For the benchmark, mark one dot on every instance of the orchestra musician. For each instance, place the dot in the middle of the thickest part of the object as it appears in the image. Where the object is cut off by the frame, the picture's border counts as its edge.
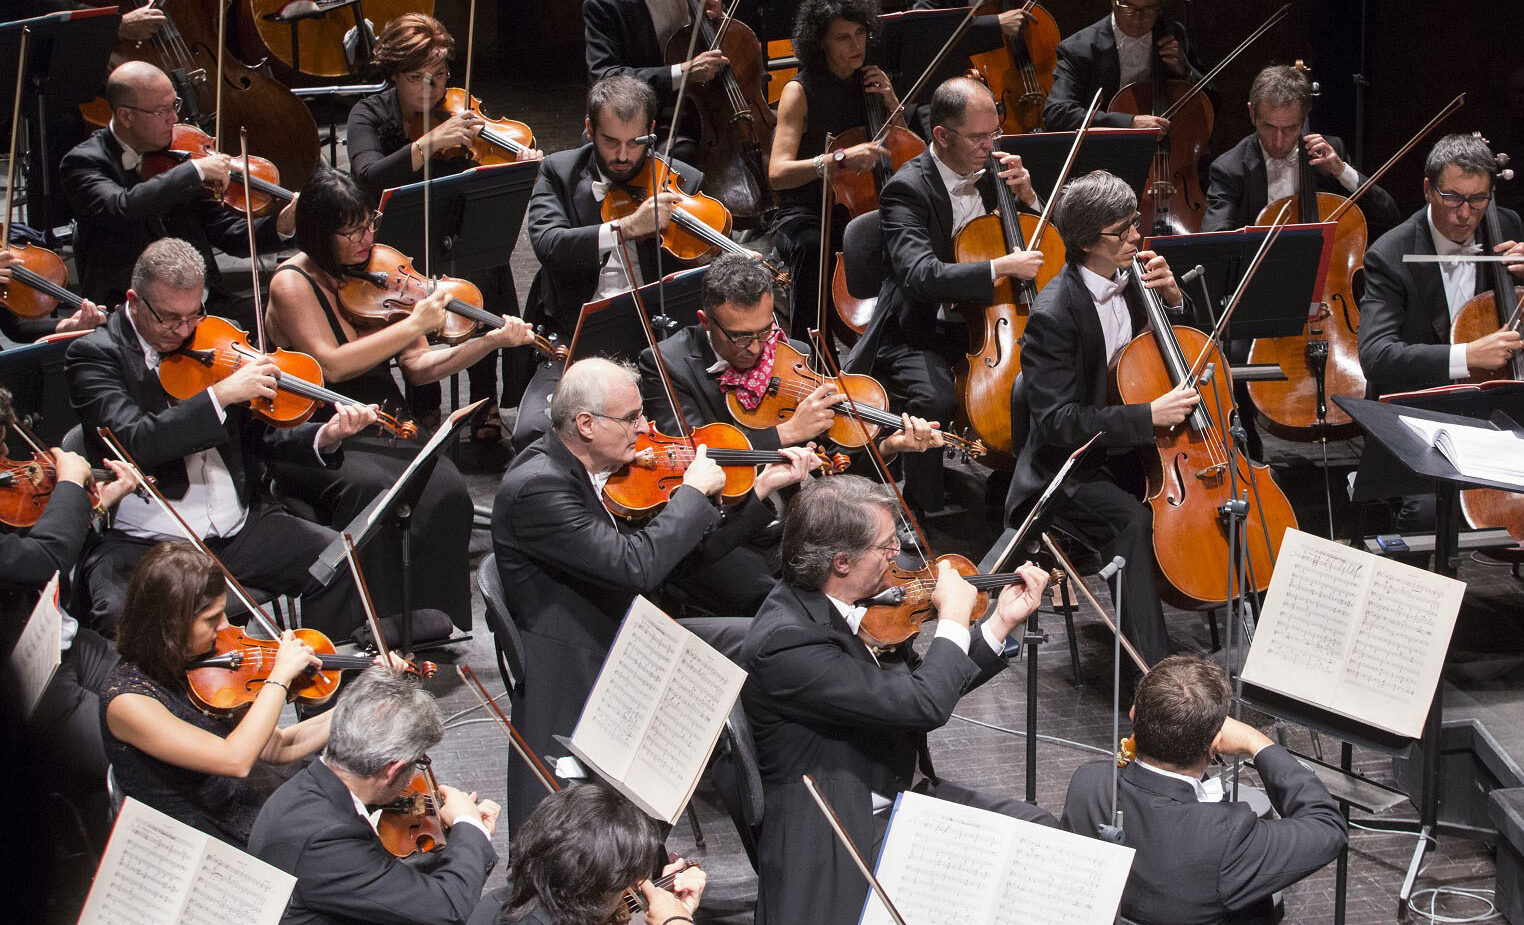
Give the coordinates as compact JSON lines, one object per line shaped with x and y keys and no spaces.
{"x":1111,"y":54}
{"x":1407,"y":308}
{"x":828,"y":95}
{"x":25,"y":330}
{"x":335,"y":229}
{"x":1080,"y":323}
{"x":1200,"y":858}
{"x":570,"y":569}
{"x":922,"y":208}
{"x":1263,"y":166}
{"x":414,"y":53}
{"x":205,"y":453}
{"x":317,"y":825}
{"x":629,"y":37}
{"x":823,"y":701}
{"x":575,"y":246}
{"x":571,"y":861}
{"x":117,"y":212}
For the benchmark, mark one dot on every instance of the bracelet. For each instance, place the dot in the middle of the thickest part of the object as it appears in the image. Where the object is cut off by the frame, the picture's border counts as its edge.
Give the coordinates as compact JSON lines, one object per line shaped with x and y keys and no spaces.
{"x":820,"y":166}
{"x":283,"y":686}
{"x":677,"y":918}
{"x":418,"y":145}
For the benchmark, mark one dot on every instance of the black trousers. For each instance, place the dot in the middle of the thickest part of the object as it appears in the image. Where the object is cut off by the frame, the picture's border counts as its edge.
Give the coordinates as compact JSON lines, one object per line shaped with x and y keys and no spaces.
{"x":66,"y":726}
{"x":272,"y":552}
{"x":920,"y":381}
{"x":796,"y":237}
{"x":1103,"y":513}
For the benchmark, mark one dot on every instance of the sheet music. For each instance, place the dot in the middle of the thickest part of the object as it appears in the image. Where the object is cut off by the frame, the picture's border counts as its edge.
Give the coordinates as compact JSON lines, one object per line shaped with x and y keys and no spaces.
{"x":1354,"y":633}
{"x":159,"y":871}
{"x":36,"y":655}
{"x":947,"y":864}
{"x":1476,"y":452}
{"x":629,"y":687}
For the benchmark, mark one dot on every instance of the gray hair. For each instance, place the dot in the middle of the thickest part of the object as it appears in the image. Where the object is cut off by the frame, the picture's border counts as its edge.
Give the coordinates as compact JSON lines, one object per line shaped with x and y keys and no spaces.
{"x":738,"y":278}
{"x":1280,"y":85}
{"x":627,"y":96}
{"x":1466,"y":151}
{"x":170,"y":262}
{"x":1086,"y":206}
{"x":383,"y":717}
{"x":585,"y":387}
{"x":828,"y":517}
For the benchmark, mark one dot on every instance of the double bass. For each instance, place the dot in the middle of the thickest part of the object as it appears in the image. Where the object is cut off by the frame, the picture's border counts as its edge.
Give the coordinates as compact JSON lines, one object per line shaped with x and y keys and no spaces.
{"x":1020,"y":72}
{"x":303,"y":39}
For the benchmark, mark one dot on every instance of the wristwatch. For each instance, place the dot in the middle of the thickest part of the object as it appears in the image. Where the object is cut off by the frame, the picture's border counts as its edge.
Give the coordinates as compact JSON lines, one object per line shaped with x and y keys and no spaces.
{"x":839,"y":158}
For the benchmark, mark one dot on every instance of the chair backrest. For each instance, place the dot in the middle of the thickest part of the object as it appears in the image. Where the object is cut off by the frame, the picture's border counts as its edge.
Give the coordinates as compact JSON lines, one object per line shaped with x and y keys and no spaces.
{"x":114,"y":795}
{"x":510,"y":645}
{"x":862,"y":247}
{"x":74,"y":440}
{"x":737,"y":776}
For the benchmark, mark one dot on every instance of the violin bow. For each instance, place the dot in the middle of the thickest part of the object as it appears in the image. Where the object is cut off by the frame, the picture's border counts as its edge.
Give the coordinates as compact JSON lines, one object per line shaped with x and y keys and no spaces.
{"x":1063,"y":175}
{"x":470,"y":46}
{"x":256,"y":612}
{"x":669,"y":391}
{"x":1442,"y":115}
{"x":10,"y":162}
{"x":847,"y":843}
{"x":920,"y":82}
{"x":1196,"y":369}
{"x":222,"y":45}
{"x":514,"y":737}
{"x":248,"y":203}
{"x":421,"y":669}
{"x":1200,"y":85}
{"x":822,"y":285}
{"x":1072,"y":575}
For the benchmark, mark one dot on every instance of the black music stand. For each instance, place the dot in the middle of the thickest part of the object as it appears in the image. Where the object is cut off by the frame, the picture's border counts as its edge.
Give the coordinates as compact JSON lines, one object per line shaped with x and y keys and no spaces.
{"x":395,"y":506}
{"x":908,"y":41}
{"x":474,"y":218}
{"x":1126,"y":152}
{"x":1402,"y":464}
{"x":39,"y":392}
{"x":67,"y":57}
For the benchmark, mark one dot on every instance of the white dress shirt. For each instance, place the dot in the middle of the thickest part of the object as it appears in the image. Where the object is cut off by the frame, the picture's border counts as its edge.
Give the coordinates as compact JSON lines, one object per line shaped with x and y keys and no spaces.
{"x":962,"y":192}
{"x":1281,"y":174}
{"x":131,"y":159}
{"x":612,"y":279}
{"x":1460,"y":286}
{"x":1136,"y":55}
{"x":1111,"y":308}
{"x":1208,"y":790}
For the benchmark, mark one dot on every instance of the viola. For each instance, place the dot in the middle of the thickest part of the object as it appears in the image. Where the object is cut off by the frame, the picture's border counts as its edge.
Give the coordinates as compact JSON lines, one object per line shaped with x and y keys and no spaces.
{"x":218,"y":348}
{"x":37,"y":283}
{"x":190,"y":143}
{"x":858,"y":420}
{"x":500,"y":141}
{"x":410,"y":823}
{"x":1021,"y":72}
{"x":387,"y":289}
{"x":660,"y":462}
{"x":232,"y":675}
{"x":26,"y":487}
{"x":896,"y":613}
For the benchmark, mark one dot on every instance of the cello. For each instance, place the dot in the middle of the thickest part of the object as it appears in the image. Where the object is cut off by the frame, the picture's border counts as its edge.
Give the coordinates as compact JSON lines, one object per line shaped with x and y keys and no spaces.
{"x":1325,"y":361}
{"x":1021,"y":72}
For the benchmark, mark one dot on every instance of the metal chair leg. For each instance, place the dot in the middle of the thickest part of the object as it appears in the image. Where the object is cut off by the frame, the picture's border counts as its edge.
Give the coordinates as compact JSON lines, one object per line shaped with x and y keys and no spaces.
{"x":698,"y":833}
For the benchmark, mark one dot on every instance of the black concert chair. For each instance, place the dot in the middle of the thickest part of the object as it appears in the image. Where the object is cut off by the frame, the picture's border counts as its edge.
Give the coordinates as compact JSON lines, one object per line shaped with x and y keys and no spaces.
{"x":114,"y":795}
{"x":862,"y":247}
{"x":505,"y":633}
{"x":737,"y":775}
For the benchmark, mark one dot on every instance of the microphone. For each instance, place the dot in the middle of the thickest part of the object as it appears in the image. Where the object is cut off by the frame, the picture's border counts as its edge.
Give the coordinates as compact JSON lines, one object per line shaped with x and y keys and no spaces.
{"x":891,"y":597}
{"x":1112,"y":567}
{"x":1111,"y":833}
{"x":1190,"y":276}
{"x":648,"y":141}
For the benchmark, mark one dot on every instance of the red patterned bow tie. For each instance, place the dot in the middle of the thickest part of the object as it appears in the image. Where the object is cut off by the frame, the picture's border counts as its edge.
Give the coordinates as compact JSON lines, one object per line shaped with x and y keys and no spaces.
{"x":751,"y":385}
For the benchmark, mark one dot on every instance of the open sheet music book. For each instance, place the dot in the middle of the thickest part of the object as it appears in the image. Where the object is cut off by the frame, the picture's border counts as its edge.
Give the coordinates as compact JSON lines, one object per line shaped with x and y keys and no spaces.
{"x":37,"y":655}
{"x":948,"y":864}
{"x":160,"y":871}
{"x":1353,"y":633}
{"x":1476,"y":452}
{"x":656,"y":712}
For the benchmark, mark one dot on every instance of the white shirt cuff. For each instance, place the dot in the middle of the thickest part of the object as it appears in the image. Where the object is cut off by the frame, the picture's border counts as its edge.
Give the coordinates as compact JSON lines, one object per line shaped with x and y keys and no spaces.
{"x":998,"y":645}
{"x":677,"y":72}
{"x":475,"y":822}
{"x":1262,"y":748}
{"x":317,"y":448}
{"x":954,"y":632}
{"x":994,"y":277}
{"x":1458,"y":368}
{"x":199,"y":172}
{"x":605,"y":238}
{"x":222,"y":415}
{"x":1350,"y":178}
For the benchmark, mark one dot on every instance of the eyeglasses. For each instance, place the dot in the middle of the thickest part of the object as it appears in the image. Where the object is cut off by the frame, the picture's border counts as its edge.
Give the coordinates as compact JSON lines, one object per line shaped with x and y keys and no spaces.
{"x":423,"y":763}
{"x":173,"y":321}
{"x":977,"y":137}
{"x":628,"y":420}
{"x":1132,"y":9}
{"x":1134,"y":225}
{"x":419,"y":78}
{"x":742,"y":341}
{"x":370,"y":227}
{"x":1456,"y":200}
{"x":889,"y":549}
{"x":159,"y":113}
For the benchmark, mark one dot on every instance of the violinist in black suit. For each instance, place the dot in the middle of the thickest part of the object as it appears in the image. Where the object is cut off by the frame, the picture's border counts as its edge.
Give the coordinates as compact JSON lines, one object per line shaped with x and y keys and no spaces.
{"x":570,"y":569}
{"x":922,"y":208}
{"x":825,"y":699}
{"x":1080,"y":323}
{"x":1407,"y":309}
{"x":119,"y":213}
{"x":1263,"y":167}
{"x":205,"y":453}
{"x":1110,"y":54}
{"x":575,"y":246}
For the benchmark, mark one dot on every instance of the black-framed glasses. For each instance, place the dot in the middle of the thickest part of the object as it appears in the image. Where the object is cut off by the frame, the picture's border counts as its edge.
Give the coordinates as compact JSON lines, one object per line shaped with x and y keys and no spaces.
{"x":628,"y":420}
{"x":433,"y":78}
{"x":742,"y":341}
{"x":173,"y":321}
{"x":161,"y":112}
{"x":1133,"y":9}
{"x":1134,"y":225}
{"x":371,"y":226}
{"x":1477,"y":202}
{"x":423,"y":763}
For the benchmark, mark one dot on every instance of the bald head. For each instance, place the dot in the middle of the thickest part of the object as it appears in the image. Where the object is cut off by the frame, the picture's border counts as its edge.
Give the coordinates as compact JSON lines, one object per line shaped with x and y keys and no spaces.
{"x":131,"y":83}
{"x":585,"y":387}
{"x":958,"y":99}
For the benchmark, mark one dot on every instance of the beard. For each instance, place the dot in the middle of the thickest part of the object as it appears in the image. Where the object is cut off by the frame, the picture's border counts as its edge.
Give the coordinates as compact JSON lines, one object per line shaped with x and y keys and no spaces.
{"x":617,"y":174}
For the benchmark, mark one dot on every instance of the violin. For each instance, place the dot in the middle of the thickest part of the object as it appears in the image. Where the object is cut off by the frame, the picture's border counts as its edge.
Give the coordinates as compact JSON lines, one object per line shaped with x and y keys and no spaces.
{"x":387,"y":289}
{"x":660,"y":461}
{"x":218,"y":348}
{"x":26,"y":487}
{"x":1021,"y":72}
{"x":190,"y":143}
{"x":410,"y":823}
{"x":896,"y":613}
{"x":500,"y":141}
{"x":858,"y":420}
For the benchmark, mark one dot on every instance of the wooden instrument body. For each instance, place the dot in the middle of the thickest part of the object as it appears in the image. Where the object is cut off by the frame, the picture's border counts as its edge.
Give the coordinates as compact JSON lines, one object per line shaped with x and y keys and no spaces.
{"x":369,"y":302}
{"x":1480,"y":316}
{"x":1189,"y":482}
{"x":217,"y":350}
{"x":623,"y":199}
{"x":410,"y":824}
{"x":1173,"y":202}
{"x":643,"y":486}
{"x":190,"y":141}
{"x":494,"y":145}
{"x":857,"y":190}
{"x":793,"y":380}
{"x":855,"y":313}
{"x":1290,"y":408}
{"x":26,"y":489}
{"x":22,"y":299}
{"x":320,"y":40}
{"x":222,"y":691}
{"x":891,"y":625}
{"x":1020,"y":74}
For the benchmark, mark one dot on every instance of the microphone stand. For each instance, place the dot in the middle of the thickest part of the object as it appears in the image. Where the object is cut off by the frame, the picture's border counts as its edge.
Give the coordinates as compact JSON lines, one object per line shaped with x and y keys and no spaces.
{"x":1113,"y":570}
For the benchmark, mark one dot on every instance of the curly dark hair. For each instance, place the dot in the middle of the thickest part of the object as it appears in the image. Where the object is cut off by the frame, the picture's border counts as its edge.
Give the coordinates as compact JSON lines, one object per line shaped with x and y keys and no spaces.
{"x":172,"y":583}
{"x":815,"y":17}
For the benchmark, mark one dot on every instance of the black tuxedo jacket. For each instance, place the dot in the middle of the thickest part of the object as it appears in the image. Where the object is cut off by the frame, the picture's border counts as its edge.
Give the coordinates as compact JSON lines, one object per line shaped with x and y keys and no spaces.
{"x":1238,"y":188}
{"x":1063,"y":364}
{"x":563,"y":230}
{"x":344,"y":875}
{"x":820,"y":705}
{"x":621,"y":39}
{"x":921,"y":271}
{"x":1087,"y":60}
{"x":1404,"y":316}
{"x":110,"y":385}
{"x":1209,"y":863}
{"x":118,"y":215}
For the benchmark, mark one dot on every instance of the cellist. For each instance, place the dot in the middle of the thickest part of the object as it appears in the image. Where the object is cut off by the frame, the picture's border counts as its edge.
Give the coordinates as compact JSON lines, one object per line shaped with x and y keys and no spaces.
{"x":1082,"y":320}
